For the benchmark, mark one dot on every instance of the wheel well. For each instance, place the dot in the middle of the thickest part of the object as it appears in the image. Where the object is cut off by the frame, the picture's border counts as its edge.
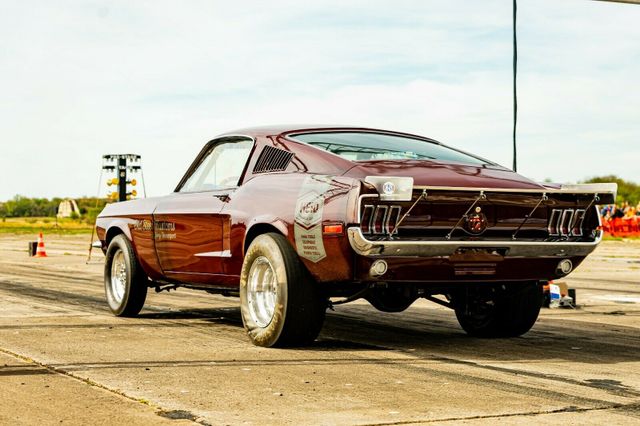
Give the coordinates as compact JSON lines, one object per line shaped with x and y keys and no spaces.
{"x":112,"y":233}
{"x":258,"y":229}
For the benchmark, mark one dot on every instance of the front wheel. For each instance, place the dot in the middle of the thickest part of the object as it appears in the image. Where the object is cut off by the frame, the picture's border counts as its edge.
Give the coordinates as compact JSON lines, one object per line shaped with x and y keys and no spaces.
{"x":125,"y":283}
{"x":508,"y":310}
{"x":280,"y":303}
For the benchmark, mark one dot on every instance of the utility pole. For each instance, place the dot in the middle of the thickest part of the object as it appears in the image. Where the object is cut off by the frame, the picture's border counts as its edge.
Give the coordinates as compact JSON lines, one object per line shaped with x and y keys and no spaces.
{"x":515,"y":72}
{"x":515,"y":93}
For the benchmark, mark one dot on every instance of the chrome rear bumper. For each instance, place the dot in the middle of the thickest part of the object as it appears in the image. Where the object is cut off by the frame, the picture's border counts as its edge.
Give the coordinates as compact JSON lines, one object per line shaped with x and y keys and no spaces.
{"x":369,"y":248}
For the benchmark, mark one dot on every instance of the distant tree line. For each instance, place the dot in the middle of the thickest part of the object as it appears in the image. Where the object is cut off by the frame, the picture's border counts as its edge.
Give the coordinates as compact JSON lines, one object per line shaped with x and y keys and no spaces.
{"x":21,"y":206}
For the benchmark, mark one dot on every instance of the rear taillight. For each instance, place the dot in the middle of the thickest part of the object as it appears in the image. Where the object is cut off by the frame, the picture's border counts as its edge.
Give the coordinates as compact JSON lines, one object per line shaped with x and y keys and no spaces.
{"x":365,"y":220}
{"x":379,"y":219}
{"x":578,"y":221}
{"x":393,"y":218}
{"x":566,"y":222}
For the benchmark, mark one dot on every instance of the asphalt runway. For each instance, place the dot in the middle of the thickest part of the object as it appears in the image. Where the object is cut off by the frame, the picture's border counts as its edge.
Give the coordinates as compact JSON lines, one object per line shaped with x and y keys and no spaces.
{"x":64,"y":359}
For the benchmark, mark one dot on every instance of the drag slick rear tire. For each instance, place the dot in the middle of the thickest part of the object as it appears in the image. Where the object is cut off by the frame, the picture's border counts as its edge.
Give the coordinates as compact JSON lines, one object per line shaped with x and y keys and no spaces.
{"x":280,"y":303}
{"x":507,"y":310}
{"x":125,"y":282}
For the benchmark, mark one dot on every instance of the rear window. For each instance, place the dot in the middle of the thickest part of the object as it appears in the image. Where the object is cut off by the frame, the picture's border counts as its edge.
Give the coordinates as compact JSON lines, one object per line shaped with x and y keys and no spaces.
{"x":363,"y":146}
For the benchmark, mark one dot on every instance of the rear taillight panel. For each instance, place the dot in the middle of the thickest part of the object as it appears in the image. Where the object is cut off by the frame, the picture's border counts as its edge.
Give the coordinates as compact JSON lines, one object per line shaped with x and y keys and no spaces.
{"x":566,"y":222}
{"x":437,"y":216}
{"x":379,"y":219}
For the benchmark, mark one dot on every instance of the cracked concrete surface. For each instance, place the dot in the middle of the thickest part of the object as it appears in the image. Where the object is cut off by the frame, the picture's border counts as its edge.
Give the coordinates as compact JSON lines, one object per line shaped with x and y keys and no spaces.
{"x":64,"y":358}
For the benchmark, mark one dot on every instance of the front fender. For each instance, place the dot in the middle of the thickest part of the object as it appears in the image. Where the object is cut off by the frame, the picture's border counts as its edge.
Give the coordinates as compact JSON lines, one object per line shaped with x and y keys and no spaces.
{"x":109,"y":227}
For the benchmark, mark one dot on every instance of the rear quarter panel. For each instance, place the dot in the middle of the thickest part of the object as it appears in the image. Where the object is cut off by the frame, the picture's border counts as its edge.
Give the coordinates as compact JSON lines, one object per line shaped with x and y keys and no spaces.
{"x":297,"y":205}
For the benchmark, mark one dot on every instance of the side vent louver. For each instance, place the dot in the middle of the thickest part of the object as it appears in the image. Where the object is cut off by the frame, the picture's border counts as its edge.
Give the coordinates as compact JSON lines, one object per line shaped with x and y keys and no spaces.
{"x":272,"y":160}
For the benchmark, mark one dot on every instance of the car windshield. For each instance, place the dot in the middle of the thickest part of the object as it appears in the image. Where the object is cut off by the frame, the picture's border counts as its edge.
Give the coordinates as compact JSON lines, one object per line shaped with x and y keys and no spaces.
{"x":364,"y":146}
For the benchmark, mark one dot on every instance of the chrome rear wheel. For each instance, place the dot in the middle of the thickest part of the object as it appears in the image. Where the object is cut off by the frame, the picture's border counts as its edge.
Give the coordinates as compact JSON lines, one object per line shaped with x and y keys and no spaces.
{"x":262,"y":291}
{"x":280,"y":303}
{"x":118,"y":276}
{"x":125,"y":283}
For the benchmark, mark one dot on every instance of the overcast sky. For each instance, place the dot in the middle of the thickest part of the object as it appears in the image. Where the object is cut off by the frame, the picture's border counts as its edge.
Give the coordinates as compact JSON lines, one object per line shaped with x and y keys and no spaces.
{"x":79,"y":79}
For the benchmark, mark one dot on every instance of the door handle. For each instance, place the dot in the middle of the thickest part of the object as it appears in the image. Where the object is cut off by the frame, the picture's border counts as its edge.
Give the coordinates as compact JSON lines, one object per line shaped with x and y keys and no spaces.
{"x":222,"y":197}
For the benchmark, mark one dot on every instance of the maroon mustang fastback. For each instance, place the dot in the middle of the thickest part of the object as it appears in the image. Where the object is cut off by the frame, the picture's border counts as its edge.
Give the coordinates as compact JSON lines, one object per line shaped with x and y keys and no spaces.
{"x":296,"y":220}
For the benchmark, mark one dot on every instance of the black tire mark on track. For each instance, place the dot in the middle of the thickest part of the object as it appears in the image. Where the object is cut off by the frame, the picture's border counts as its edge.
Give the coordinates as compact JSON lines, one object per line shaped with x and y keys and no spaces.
{"x":415,"y":337}
{"x":43,"y":274}
{"x":94,"y":303}
{"x":402,"y":334}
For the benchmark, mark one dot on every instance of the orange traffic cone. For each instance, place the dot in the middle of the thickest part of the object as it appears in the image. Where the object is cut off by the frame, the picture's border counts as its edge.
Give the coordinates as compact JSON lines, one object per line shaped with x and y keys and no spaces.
{"x":40,"y":252}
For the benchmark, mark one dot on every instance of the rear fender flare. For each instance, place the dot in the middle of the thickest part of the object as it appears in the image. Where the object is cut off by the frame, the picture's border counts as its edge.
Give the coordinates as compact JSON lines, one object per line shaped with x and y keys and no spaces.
{"x":268,"y":223}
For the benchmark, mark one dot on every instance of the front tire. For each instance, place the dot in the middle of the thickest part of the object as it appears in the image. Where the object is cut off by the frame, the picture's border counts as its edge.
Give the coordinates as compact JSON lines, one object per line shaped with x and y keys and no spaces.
{"x":281,"y":305}
{"x":503,"y":311}
{"x":125,"y":282}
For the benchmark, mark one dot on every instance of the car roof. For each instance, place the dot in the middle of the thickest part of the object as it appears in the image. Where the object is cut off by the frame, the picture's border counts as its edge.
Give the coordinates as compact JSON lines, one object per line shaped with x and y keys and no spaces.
{"x":278,"y":130}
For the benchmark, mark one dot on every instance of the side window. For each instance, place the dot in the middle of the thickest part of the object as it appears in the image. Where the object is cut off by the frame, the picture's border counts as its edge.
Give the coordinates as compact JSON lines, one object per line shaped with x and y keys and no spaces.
{"x":221,"y":167}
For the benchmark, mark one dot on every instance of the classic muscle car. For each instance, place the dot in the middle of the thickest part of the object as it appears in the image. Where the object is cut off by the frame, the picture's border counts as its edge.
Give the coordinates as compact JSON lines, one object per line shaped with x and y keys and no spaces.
{"x":296,"y":220}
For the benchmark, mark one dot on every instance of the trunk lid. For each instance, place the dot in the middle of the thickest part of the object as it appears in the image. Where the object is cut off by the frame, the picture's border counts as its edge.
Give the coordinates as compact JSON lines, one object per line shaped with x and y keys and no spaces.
{"x":431,"y":173}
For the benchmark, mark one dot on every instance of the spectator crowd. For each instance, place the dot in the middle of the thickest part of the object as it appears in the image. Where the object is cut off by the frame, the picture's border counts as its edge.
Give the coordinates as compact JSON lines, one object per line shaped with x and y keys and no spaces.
{"x":614,"y":211}
{"x":621,"y":220}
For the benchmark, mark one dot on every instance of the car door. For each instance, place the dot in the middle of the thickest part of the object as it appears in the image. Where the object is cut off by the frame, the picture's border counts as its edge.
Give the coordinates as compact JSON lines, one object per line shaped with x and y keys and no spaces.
{"x":191,"y":234}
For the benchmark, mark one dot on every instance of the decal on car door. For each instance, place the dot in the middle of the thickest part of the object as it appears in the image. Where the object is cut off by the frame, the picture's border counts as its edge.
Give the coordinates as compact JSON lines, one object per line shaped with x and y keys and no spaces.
{"x":165,"y":230}
{"x":308,"y":217}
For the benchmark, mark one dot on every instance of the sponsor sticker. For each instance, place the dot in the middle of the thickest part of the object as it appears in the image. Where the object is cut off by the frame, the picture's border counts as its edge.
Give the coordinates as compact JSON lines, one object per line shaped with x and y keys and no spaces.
{"x":142,"y":225}
{"x":308,"y":217}
{"x":165,"y":230}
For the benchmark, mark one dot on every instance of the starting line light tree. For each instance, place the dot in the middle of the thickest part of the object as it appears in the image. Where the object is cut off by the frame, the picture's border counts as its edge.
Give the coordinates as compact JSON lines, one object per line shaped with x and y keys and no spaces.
{"x":123,"y":165}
